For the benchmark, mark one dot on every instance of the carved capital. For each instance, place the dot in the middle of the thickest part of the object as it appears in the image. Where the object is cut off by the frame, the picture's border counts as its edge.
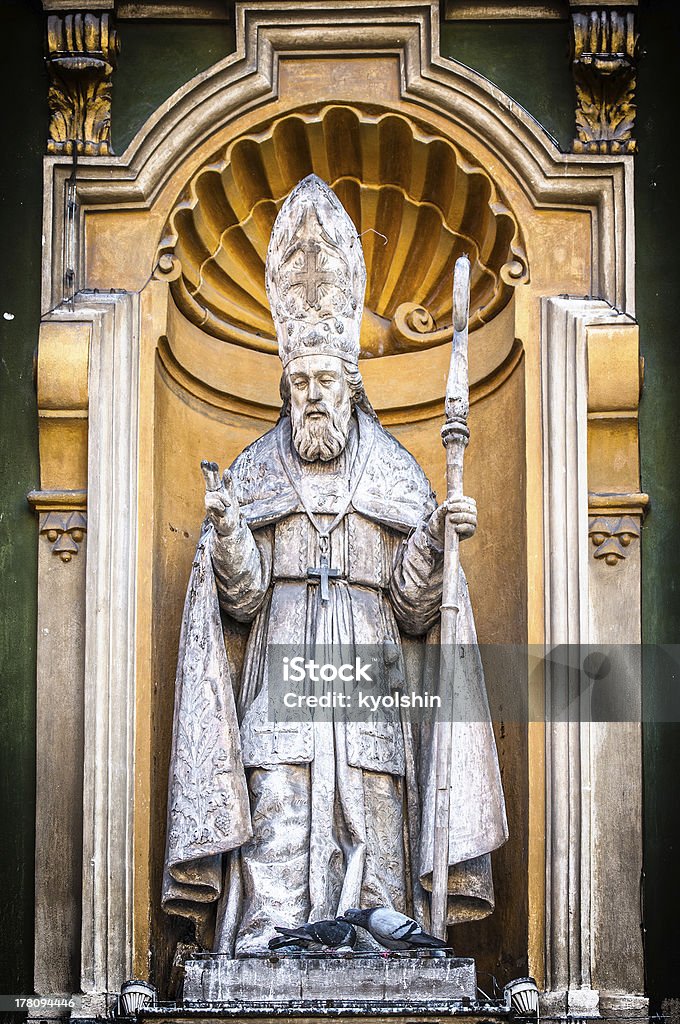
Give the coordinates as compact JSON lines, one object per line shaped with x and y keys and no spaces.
{"x":82,"y":48}
{"x":604,"y":66}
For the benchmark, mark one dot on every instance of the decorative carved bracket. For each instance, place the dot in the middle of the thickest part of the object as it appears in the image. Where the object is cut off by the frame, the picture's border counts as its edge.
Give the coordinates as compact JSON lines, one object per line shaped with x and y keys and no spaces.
{"x":612,"y":537}
{"x":614,"y":523}
{"x":82,"y":49}
{"x":65,"y":531}
{"x":63,"y":519}
{"x":604,"y":66}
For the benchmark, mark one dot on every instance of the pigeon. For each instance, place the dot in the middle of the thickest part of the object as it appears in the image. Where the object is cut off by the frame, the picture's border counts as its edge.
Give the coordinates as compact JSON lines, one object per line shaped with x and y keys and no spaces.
{"x":319,"y":935}
{"x":391,"y":929}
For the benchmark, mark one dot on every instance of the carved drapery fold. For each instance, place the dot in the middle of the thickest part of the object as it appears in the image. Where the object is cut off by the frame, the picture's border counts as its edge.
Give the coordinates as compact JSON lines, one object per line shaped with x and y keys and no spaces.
{"x":604,"y":67}
{"x":82,"y":49}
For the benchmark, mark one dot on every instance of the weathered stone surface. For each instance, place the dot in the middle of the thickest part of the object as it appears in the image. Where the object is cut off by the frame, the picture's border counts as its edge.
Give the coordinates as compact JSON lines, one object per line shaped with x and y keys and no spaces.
{"x":280,"y":979}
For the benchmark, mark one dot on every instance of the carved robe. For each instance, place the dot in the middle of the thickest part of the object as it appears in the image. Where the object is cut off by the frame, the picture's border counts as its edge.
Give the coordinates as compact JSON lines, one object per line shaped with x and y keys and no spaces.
{"x":316,"y":817}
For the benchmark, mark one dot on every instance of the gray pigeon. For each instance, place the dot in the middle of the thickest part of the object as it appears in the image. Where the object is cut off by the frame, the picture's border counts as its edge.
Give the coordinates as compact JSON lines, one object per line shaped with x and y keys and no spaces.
{"x":391,"y":929}
{"x":318,"y":935}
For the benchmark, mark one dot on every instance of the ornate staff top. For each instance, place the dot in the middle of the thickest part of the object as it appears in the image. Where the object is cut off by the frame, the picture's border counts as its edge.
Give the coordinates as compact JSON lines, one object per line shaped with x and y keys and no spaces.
{"x":457,"y":404}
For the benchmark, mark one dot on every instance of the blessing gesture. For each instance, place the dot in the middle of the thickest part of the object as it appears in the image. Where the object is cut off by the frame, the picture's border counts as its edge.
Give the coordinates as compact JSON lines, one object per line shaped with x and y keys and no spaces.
{"x":221,"y":502}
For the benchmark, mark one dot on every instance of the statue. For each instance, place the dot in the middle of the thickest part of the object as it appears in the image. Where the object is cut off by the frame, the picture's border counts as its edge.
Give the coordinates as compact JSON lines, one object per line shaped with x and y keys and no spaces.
{"x":323,"y":531}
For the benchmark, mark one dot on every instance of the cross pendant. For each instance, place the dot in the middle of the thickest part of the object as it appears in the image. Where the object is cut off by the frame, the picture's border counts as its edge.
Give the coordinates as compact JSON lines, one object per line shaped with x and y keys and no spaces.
{"x":323,"y":572}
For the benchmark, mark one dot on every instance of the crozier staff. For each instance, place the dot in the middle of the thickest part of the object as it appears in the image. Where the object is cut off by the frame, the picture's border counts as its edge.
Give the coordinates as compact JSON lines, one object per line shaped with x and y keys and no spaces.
{"x":455,"y":436}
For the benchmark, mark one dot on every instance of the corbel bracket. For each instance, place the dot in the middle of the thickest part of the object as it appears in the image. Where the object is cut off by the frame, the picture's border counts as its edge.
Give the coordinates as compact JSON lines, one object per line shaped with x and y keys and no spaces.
{"x":614,"y":524}
{"x":616,"y":505}
{"x":62,"y":385}
{"x":82,"y":50}
{"x":605,"y":74}
{"x":63,"y":520}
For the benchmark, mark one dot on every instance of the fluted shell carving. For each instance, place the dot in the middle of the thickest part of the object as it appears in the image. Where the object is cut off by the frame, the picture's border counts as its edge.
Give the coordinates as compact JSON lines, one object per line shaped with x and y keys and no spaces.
{"x":417,"y":201}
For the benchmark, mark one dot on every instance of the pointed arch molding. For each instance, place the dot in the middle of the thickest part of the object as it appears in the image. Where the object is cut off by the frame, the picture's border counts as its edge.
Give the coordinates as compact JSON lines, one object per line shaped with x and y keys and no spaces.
{"x":249,"y":80}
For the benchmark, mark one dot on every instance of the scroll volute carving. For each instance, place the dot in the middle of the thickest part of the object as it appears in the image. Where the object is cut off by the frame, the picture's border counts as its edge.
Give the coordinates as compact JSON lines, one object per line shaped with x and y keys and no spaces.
{"x":604,"y":65}
{"x":82,"y":50}
{"x":416,"y":199}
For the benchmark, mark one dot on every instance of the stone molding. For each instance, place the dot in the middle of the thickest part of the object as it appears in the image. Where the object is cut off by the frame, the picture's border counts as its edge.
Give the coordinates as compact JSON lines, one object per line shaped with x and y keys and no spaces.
{"x":539,"y":10}
{"x":605,"y":74}
{"x":62,"y":389}
{"x":249,"y":78}
{"x":591,"y":901}
{"x":175,"y":10}
{"x":106,"y":327}
{"x":82,"y":52}
{"x":110,"y":626}
{"x":484,"y":10}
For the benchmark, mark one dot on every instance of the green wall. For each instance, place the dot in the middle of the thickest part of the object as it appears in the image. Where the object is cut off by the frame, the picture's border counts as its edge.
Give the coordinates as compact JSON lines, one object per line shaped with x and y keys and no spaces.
{"x":530,"y":62}
{"x":658,"y":305}
{"x":157,"y":58}
{"x":23,"y":133}
{"x":527,"y":60}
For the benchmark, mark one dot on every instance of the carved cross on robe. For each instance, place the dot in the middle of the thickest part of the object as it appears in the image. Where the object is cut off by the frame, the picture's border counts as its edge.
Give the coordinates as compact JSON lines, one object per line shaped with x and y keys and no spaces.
{"x":323,"y":572}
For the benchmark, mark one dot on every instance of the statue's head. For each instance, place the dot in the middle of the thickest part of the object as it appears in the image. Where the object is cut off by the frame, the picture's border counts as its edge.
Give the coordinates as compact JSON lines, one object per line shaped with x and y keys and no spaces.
{"x":316,"y":278}
{"x":320,"y":396}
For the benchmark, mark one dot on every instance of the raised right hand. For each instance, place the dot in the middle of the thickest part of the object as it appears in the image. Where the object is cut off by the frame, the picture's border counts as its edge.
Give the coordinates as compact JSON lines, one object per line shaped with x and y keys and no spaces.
{"x":221,"y":502}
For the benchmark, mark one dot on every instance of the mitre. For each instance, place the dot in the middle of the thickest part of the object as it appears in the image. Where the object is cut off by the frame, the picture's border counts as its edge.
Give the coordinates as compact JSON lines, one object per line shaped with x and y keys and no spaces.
{"x":315,"y":275}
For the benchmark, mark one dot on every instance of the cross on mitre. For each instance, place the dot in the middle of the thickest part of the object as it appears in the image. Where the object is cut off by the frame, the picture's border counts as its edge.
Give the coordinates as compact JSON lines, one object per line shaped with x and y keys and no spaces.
{"x":315,"y":275}
{"x":314,"y":264}
{"x":311,"y":275}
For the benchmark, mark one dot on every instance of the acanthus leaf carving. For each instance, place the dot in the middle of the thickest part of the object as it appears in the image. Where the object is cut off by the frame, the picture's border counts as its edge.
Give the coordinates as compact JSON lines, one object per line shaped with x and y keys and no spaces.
{"x":604,"y":66}
{"x":82,"y":50}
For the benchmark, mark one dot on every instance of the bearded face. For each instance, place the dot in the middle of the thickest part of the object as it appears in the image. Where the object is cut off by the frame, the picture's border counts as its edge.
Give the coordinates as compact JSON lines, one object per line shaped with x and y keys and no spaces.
{"x":320,"y":406}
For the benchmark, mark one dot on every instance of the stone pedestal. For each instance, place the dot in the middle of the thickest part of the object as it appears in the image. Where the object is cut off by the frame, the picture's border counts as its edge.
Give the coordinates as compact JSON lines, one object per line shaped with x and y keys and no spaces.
{"x":310,"y":981}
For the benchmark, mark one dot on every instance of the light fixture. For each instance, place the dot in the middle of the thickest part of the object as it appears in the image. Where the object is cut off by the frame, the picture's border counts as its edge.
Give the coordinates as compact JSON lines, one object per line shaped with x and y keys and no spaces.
{"x":134,"y":995}
{"x":521,"y":996}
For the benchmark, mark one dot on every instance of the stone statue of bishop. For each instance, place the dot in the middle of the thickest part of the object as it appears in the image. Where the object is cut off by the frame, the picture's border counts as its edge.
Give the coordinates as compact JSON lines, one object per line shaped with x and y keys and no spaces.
{"x":324,"y":531}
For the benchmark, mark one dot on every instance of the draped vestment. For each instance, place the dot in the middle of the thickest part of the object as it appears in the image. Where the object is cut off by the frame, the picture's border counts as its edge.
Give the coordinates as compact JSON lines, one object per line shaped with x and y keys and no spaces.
{"x":276,"y":823}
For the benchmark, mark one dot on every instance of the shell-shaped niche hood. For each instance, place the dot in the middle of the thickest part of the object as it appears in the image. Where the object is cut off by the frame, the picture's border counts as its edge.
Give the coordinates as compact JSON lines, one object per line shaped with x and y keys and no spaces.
{"x":416,"y":199}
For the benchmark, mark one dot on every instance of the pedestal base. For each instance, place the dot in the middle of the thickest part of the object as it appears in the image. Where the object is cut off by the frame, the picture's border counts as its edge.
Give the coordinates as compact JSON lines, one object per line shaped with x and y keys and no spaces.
{"x":408,"y":982}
